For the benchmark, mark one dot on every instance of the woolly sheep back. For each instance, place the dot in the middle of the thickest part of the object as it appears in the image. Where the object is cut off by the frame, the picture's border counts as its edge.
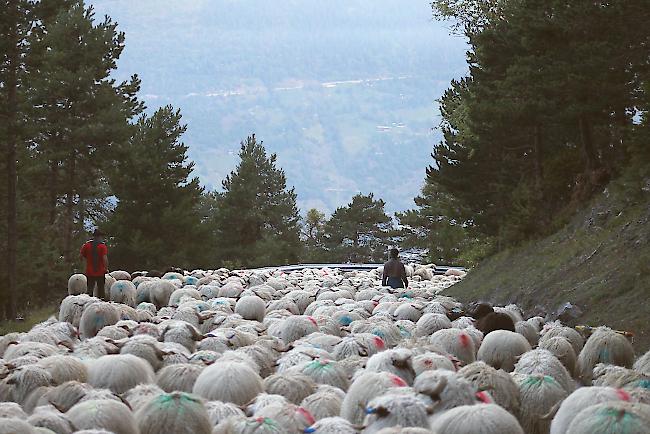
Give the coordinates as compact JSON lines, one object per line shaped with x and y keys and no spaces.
{"x":561,"y":348}
{"x":477,"y":419}
{"x":293,"y":386}
{"x":179,"y":377}
{"x":119,"y":372}
{"x":501,"y":349}
{"x":251,"y":307}
{"x":364,"y":388}
{"x":456,"y":342}
{"x":229,"y":382}
{"x":539,"y":395}
{"x":176,"y":412}
{"x":15,"y":426}
{"x":110,"y":415}
{"x":579,"y":400}
{"x":612,"y":418}
{"x":498,"y":383}
{"x":77,"y":284}
{"x":603,"y":346}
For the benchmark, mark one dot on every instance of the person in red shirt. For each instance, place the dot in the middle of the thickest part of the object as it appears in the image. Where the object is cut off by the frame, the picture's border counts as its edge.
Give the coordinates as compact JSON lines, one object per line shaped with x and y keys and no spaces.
{"x":95,"y":253}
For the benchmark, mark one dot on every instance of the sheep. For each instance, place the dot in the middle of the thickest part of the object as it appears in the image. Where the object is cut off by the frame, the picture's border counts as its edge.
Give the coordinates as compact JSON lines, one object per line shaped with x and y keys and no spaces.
{"x":528,"y":331}
{"x":579,"y":400}
{"x":160,"y":291}
{"x":140,"y":395}
{"x":289,"y":416}
{"x":114,"y":332}
{"x":64,"y":368}
{"x":77,"y":284}
{"x":364,"y":388}
{"x":539,"y":396}
{"x":25,"y":379}
{"x":50,"y":418}
{"x":181,"y":333}
{"x":120,"y":275}
{"x":324,"y":371}
{"x":617,"y":376}
{"x":11,"y":409}
{"x":263,"y":400}
{"x":220,"y":411}
{"x":251,"y":307}
{"x":431,"y":360}
{"x":554,"y":329}
{"x":611,"y":418}
{"x":144,"y":347}
{"x":293,"y":386}
{"x":332,"y":425}
{"x":542,"y":362}
{"x":456,"y":342}
{"x":642,"y":365}
{"x":430,"y":323}
{"x":498,"y":383}
{"x":37,"y":349}
{"x":176,"y":298}
{"x":96,"y":316}
{"x":176,"y":412}
{"x":119,"y":373}
{"x":110,"y":415}
{"x":15,"y":426}
{"x":179,"y":377}
{"x":325,"y":402}
{"x":477,"y":419}
{"x":603,"y":346}
{"x":395,"y":409}
{"x":396,"y":361}
{"x":561,"y":348}
{"x":123,"y":291}
{"x":502,"y":348}
{"x":442,"y":390}
{"x":495,"y":321}
{"x":228,"y":381}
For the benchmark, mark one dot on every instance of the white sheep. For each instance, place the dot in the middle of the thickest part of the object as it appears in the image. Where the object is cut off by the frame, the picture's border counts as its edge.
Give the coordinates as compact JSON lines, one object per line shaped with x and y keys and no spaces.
{"x":110,"y":415}
{"x":77,"y":284}
{"x":176,"y":412}
{"x":603,"y":346}
{"x":325,"y":402}
{"x":502,"y":348}
{"x":229,"y":382}
{"x":251,"y":307}
{"x":292,"y":385}
{"x":178,"y":377}
{"x":119,"y":372}
{"x":123,"y":291}
{"x":364,"y":388}
{"x":456,"y":342}
{"x":95,"y":316}
{"x":477,"y":419}
{"x":612,"y":418}
{"x":394,"y":409}
{"x":540,"y":394}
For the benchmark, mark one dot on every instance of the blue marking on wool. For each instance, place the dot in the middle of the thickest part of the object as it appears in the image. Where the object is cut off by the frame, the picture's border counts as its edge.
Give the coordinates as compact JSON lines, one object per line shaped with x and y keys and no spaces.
{"x":645,"y":384}
{"x":370,"y":410}
{"x":309,"y":430}
{"x":379,"y":333}
{"x":604,"y":355}
{"x":345,"y":320}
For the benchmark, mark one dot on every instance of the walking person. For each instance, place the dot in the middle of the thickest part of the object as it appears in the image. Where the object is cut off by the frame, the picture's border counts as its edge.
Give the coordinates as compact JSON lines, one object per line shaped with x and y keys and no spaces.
{"x":95,"y":253}
{"x":394,"y":272}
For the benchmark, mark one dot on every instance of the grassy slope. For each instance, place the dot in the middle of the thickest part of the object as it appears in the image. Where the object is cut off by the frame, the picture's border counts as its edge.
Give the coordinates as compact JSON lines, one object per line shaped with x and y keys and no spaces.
{"x":600,"y":261}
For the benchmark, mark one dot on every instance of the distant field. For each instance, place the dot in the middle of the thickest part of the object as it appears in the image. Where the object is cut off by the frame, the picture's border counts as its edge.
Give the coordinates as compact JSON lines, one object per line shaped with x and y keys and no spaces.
{"x":31,"y":318}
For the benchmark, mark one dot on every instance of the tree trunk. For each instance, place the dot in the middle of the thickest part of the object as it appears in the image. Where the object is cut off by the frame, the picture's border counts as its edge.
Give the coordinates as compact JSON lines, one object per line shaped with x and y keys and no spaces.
{"x":12,"y":173}
{"x":588,"y":150}
{"x":52,"y":193}
{"x":69,"y":210}
{"x":538,"y":163}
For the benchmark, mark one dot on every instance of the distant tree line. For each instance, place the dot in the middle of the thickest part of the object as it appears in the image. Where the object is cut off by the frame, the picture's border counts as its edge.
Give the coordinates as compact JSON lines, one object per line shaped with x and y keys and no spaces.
{"x":80,"y":152}
{"x":554,"y":106}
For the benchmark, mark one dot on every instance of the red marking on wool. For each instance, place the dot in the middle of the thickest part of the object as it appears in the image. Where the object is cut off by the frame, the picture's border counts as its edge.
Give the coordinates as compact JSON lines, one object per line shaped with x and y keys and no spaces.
{"x":307,"y":415}
{"x":313,"y":320}
{"x":397,"y":381}
{"x":379,"y":342}
{"x":623,"y":395}
{"x":375,"y":302}
{"x":483,"y":397}
{"x":464,"y":340}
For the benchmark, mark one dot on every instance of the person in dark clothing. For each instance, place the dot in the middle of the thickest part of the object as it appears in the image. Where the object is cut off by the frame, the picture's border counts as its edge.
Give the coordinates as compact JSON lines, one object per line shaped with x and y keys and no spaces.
{"x":95,"y":253}
{"x":394,"y":272}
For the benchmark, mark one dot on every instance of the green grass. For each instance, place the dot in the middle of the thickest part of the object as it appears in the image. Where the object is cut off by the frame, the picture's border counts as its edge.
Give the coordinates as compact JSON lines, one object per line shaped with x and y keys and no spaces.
{"x":598,"y":261}
{"x":31,"y":319}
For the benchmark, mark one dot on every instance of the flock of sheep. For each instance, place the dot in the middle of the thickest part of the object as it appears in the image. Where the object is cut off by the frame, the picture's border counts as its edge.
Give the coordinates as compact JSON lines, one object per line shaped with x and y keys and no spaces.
{"x":311,"y":351}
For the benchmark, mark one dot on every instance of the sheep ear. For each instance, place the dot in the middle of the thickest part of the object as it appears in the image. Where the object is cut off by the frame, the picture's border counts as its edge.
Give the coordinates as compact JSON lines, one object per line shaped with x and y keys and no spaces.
{"x":195,"y":334}
{"x":164,"y":332}
{"x":68,"y":345}
{"x":551,"y":414}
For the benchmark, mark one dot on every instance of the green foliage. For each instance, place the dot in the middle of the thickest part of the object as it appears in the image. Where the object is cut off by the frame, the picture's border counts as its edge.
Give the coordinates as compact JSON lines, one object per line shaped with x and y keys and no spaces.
{"x":256,"y":221}
{"x":157,"y":222}
{"x":313,"y":236}
{"x":359,"y":232}
{"x":545,"y":118}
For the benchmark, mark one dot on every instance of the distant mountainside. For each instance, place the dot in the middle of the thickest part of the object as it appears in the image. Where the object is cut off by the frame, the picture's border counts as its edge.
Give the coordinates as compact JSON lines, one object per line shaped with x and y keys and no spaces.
{"x":344,"y":91}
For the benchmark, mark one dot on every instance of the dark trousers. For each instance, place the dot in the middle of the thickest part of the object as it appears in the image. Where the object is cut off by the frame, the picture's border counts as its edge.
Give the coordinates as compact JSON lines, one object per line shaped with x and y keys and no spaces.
{"x":100,"y":281}
{"x":395,"y":282}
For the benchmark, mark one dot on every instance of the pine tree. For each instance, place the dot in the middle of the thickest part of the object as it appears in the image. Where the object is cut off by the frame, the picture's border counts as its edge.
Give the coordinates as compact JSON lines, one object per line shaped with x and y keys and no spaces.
{"x":313,"y":232}
{"x":257,"y":220}
{"x":157,"y":221}
{"x":360,"y":231}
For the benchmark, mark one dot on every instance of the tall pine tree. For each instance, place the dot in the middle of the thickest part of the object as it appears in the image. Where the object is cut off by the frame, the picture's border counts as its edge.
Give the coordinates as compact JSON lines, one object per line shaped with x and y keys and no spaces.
{"x":257,"y":220}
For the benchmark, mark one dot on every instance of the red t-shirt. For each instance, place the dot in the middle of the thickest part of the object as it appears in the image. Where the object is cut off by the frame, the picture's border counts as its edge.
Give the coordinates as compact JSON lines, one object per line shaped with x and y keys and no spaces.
{"x":86,"y":252}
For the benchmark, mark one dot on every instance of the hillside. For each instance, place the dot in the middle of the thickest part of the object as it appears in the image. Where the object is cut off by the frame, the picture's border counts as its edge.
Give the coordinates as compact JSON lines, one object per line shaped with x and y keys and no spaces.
{"x":337,"y":89}
{"x":600,"y":262}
